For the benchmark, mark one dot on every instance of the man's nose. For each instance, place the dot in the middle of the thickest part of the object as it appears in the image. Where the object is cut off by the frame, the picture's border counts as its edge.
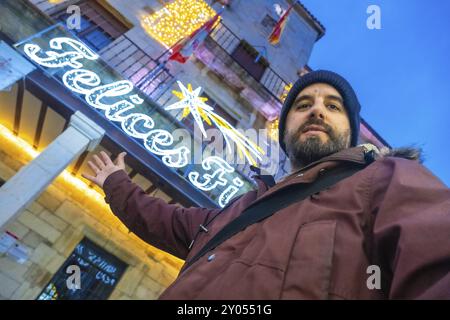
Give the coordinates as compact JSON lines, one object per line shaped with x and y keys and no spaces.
{"x":317,"y":111}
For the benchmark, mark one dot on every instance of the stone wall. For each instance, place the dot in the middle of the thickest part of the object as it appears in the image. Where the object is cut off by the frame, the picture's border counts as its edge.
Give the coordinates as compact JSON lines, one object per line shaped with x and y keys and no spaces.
{"x":57,"y":221}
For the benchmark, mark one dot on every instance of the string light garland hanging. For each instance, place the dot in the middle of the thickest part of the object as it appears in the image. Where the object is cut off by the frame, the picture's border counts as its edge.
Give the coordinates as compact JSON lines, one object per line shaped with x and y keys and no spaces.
{"x":177,"y":20}
{"x":285,"y":93}
{"x":272,"y":129}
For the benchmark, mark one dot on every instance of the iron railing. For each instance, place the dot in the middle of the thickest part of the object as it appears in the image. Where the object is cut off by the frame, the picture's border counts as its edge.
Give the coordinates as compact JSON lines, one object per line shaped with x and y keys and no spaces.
{"x":135,"y":64}
{"x":271,"y":81}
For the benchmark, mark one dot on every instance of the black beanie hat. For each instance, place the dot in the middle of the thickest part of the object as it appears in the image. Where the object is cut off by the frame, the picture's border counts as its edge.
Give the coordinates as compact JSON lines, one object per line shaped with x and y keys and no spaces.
{"x":351,"y":103}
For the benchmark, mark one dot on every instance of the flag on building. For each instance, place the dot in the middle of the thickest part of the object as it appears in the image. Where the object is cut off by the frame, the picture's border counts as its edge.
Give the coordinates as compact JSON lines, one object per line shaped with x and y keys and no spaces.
{"x":277,"y":31}
{"x":222,"y":2}
{"x":182,"y":50}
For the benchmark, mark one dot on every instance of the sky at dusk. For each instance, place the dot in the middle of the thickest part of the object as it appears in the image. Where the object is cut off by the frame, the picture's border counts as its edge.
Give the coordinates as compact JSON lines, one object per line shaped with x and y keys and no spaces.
{"x":401,"y":73}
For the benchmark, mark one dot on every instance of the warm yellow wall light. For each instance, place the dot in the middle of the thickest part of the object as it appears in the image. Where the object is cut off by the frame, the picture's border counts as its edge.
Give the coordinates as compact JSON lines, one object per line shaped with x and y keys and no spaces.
{"x":177,"y":20}
{"x":31,"y":153}
{"x":91,"y":198}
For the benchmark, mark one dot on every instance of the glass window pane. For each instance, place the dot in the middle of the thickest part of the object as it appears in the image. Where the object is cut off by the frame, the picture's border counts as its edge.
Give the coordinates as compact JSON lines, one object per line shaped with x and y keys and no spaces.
{"x":97,"y":39}
{"x":99,"y":273}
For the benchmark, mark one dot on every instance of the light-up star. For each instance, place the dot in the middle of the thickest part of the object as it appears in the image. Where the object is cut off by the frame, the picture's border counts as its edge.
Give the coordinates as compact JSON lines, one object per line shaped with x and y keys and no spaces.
{"x":192,"y":103}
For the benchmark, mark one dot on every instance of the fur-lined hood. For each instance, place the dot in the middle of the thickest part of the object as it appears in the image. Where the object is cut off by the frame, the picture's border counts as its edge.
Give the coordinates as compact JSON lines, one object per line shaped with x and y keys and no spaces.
{"x":410,"y":153}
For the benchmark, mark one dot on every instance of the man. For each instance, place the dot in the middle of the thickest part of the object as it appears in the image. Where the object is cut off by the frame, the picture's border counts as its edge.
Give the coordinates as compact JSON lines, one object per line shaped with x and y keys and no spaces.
{"x":380,"y":233}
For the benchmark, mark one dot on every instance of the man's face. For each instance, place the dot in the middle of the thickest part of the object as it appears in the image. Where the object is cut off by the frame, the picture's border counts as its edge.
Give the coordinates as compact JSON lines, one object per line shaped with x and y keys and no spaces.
{"x":317,"y":125}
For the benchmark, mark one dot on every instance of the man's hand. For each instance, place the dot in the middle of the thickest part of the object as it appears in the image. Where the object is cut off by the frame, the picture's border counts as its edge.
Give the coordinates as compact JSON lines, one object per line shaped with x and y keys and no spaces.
{"x":103,"y":167}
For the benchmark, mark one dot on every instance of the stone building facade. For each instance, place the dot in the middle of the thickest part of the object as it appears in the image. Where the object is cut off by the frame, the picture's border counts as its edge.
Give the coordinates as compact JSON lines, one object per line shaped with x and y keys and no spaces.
{"x":52,"y":226}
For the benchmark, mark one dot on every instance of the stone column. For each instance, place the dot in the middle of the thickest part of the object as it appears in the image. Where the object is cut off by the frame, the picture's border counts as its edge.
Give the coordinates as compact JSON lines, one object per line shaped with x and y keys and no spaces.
{"x":30,"y":181}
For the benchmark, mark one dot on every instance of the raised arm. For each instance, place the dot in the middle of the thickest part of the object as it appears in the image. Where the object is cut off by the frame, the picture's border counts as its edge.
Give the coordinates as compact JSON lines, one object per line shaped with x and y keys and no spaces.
{"x":168,"y":227}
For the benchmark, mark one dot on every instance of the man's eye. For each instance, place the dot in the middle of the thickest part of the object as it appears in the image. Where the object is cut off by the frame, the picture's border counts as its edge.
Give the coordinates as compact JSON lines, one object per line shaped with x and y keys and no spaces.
{"x":302,"y":106}
{"x":334,"y":107}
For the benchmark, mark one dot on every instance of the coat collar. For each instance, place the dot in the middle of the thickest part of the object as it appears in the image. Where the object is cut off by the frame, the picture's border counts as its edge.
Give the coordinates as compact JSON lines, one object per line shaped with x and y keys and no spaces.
{"x":357,"y":154}
{"x":363,"y":154}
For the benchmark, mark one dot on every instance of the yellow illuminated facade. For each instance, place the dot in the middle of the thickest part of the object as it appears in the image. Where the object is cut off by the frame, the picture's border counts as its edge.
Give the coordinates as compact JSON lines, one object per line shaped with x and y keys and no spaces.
{"x":78,"y":190}
{"x":177,"y":20}
{"x":272,"y":126}
{"x":272,"y":129}
{"x":12,"y":142}
{"x":287,"y":88}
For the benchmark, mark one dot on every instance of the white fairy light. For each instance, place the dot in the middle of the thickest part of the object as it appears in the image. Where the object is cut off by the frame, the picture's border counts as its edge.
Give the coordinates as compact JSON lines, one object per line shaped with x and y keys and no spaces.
{"x":59,"y":60}
{"x":230,"y":192}
{"x":73,"y":78}
{"x":192,"y":103}
{"x":130,"y":123}
{"x":216,"y":178}
{"x":211,"y":181}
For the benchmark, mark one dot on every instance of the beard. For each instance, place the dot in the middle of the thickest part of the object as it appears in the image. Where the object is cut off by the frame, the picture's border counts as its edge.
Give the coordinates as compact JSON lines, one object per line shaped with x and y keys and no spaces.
{"x":302,"y":153}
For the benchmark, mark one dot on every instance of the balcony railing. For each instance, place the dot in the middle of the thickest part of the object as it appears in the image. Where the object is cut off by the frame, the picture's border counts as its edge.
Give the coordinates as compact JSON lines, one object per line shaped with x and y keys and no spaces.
{"x":271,"y":81}
{"x":133,"y":63}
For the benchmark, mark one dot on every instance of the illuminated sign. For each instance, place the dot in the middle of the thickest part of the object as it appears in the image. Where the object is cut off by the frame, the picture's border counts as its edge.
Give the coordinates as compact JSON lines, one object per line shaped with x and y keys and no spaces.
{"x":117,"y":101}
{"x":88,"y":84}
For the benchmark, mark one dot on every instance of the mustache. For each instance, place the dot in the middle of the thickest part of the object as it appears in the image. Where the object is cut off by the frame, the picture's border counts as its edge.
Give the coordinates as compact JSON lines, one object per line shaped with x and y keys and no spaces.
{"x":316,"y":122}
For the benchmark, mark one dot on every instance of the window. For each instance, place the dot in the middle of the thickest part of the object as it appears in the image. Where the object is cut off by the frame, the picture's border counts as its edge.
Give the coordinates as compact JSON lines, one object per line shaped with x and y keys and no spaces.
{"x":268,"y":24}
{"x":99,"y":273}
{"x":148,"y":10}
{"x":98,"y":27}
{"x":250,"y":59}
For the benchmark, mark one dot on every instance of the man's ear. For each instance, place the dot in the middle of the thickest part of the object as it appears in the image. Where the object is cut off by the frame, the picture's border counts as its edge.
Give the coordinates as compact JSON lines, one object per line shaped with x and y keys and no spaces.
{"x":349,"y":138}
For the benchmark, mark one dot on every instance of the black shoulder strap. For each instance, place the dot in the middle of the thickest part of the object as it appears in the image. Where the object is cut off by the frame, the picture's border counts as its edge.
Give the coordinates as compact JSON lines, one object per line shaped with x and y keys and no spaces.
{"x":275,"y":202}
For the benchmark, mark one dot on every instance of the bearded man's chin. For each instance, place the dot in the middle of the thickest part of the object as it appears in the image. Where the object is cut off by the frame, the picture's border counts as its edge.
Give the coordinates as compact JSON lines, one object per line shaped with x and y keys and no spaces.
{"x":313,"y":139}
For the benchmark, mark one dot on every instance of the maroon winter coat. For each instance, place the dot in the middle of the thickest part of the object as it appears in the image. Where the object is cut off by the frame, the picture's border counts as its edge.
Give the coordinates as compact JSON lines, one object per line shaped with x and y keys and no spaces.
{"x":393,"y":214}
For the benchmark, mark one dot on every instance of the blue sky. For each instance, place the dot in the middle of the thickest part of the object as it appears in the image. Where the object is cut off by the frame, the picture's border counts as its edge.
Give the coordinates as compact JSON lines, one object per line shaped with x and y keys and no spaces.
{"x":400,"y":73}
